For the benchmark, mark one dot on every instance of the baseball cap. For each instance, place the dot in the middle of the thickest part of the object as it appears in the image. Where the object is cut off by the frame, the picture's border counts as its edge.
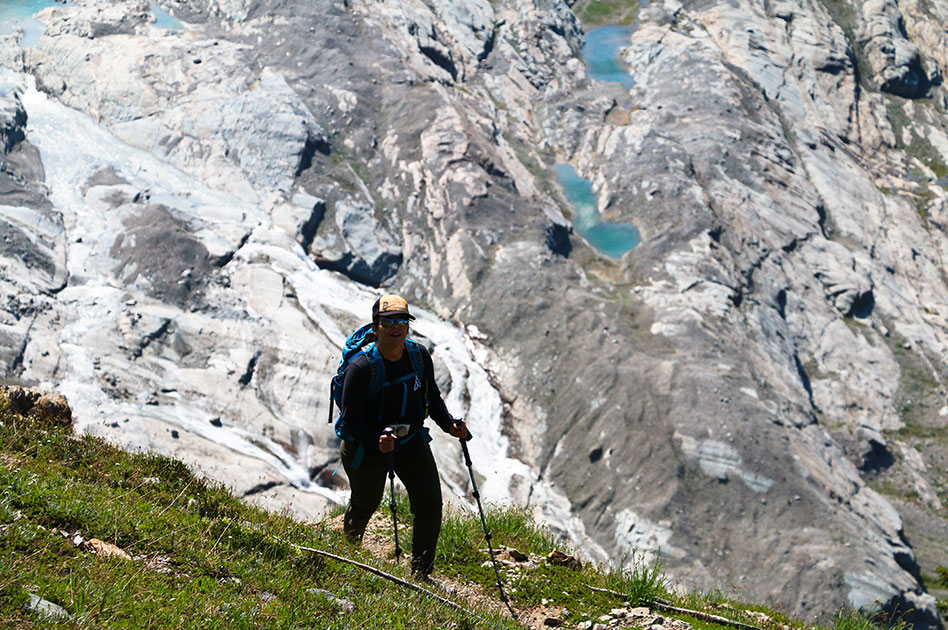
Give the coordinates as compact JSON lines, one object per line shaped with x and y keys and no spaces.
{"x":391,"y":304}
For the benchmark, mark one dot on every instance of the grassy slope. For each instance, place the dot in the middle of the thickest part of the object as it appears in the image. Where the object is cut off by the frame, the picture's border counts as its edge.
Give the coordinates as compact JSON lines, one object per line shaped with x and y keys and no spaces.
{"x":595,"y":13}
{"x":200,"y":558}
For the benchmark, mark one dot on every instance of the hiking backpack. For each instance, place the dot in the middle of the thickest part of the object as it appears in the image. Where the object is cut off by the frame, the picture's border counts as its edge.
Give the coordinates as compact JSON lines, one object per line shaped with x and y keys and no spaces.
{"x":363,"y":341}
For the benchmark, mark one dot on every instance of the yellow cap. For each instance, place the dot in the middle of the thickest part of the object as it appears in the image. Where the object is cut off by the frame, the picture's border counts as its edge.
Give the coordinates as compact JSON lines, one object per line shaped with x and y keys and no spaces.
{"x":391,"y":305}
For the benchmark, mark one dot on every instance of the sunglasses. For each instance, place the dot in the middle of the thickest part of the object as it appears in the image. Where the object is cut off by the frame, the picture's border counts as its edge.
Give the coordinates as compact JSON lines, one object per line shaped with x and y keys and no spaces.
{"x":388,"y":322}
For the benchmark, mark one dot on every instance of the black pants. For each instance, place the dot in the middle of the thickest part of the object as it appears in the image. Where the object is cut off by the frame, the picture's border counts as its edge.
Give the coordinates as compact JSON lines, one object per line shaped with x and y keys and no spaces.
{"x":415,"y":467}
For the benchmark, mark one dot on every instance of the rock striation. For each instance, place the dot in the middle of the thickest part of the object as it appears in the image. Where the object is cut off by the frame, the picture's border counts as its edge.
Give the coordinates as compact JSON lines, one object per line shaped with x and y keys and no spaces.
{"x":194,"y":218}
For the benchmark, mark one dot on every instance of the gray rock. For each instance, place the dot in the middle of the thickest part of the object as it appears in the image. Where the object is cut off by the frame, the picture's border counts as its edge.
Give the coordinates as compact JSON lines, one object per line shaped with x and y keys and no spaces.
{"x":301,"y":218}
{"x":835,"y":267}
{"x":657,"y":14}
{"x":270,"y":133}
{"x":12,"y":122}
{"x":369,"y":253}
{"x":715,"y":398}
{"x":47,"y":609}
{"x":894,"y":60}
{"x":160,"y":255}
{"x":344,"y":604}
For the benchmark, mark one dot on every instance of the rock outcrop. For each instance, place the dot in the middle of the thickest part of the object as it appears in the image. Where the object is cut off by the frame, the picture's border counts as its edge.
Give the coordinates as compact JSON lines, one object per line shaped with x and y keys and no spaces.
{"x":893,"y":58}
{"x":46,"y":409}
{"x":194,"y":219}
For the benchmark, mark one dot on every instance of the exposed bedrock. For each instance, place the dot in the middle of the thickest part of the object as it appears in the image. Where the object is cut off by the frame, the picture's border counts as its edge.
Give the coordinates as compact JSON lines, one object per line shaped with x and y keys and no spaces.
{"x":894,"y":60}
{"x":762,"y":270}
{"x":195,"y":218}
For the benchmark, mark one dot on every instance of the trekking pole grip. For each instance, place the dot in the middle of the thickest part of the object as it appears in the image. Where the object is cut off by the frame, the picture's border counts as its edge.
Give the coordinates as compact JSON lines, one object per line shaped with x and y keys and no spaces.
{"x":390,"y":432}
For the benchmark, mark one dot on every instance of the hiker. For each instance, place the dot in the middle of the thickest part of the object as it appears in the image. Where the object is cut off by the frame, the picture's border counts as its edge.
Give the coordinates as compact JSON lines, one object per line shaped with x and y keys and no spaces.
{"x":399,"y":398}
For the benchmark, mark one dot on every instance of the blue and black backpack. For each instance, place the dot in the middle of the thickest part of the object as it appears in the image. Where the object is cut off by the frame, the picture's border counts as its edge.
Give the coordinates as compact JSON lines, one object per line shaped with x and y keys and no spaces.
{"x":363,"y":341}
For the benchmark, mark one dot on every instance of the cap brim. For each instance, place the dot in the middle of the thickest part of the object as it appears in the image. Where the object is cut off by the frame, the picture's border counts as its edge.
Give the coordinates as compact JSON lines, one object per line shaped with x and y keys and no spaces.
{"x":402,"y":313}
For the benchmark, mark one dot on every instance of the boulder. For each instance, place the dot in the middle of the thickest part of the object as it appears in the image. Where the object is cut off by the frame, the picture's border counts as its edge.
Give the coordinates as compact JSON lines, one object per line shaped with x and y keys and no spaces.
{"x":105,"y":549}
{"x":21,"y":399}
{"x":53,"y":410}
{"x":48,"y":409}
{"x":368,"y":252}
{"x":12,"y":122}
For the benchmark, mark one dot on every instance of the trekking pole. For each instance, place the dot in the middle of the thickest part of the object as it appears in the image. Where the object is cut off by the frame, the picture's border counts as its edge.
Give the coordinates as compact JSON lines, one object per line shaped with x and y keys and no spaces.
{"x":391,"y":477}
{"x":480,"y":509}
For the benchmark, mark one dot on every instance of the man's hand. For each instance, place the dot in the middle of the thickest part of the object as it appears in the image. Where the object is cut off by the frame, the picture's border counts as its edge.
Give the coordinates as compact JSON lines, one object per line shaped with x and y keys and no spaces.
{"x":386,"y":442}
{"x":459,"y":430}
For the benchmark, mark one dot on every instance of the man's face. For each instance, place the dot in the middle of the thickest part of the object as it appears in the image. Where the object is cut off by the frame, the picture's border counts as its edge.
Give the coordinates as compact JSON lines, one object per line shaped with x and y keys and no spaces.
{"x":391,"y":330}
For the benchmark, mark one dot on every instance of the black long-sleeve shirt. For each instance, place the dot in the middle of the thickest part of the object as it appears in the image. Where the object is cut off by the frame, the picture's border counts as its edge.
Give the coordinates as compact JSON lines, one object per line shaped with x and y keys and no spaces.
{"x":365,"y":418}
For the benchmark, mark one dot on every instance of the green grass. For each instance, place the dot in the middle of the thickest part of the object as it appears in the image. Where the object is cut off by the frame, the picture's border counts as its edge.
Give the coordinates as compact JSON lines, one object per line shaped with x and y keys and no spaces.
{"x":593,"y":13}
{"x":941,"y":582}
{"x":923,"y":150}
{"x":849,"y":620}
{"x":846,"y":16}
{"x":942,"y":576}
{"x":919,"y":148}
{"x":922,"y":432}
{"x":918,"y":396}
{"x":201,"y":558}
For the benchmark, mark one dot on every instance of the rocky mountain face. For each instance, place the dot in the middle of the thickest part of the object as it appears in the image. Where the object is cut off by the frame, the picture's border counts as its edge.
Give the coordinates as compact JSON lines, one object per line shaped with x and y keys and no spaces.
{"x":194,"y":217}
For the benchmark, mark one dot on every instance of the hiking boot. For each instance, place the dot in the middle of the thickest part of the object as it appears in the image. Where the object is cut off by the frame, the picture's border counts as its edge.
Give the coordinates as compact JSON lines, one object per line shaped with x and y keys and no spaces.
{"x":420,"y":576}
{"x":421,"y":571}
{"x":353,"y":538}
{"x":430,"y":583}
{"x":422,"y":563}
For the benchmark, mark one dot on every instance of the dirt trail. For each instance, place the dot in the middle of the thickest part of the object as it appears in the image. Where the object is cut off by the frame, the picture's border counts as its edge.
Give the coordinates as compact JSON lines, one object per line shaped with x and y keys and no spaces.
{"x":379,"y":541}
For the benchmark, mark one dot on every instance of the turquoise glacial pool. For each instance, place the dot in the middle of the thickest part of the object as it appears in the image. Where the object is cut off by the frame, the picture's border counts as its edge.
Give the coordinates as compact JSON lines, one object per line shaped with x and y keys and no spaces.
{"x":163,"y":19}
{"x":612,"y":239}
{"x":19,"y":13}
{"x":601,"y":53}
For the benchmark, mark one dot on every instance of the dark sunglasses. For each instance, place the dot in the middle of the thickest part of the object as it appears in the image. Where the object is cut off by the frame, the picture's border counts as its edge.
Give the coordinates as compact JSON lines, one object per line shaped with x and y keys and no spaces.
{"x":388,"y":322}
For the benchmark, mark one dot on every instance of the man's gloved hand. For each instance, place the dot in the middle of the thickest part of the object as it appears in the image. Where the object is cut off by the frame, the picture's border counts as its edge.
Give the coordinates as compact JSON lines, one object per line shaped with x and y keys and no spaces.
{"x":459,"y":430}
{"x":386,"y":442}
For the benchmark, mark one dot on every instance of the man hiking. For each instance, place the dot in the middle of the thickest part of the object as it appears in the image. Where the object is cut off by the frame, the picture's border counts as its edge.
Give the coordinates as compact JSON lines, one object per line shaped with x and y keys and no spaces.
{"x":388,"y":390}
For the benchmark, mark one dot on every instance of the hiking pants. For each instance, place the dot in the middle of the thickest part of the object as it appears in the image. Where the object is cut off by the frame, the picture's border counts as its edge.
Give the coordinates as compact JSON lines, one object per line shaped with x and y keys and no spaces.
{"x":415,"y":467}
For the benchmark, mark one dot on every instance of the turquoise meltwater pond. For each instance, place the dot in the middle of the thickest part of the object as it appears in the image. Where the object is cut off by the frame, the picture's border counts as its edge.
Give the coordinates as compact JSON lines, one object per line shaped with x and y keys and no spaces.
{"x":611,"y":239}
{"x":163,"y":19}
{"x":601,"y":54}
{"x":19,"y":14}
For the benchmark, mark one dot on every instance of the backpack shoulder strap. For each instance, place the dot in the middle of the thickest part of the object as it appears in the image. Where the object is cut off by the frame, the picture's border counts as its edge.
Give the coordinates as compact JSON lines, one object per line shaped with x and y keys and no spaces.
{"x":418,"y":363}
{"x":377,"y":366}
{"x":414,"y":353}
